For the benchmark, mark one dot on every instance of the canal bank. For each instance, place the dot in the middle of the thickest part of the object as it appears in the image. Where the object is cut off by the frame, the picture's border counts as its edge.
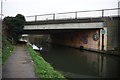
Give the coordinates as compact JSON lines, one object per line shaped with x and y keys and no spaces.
{"x":42,"y":68}
{"x":19,"y":64}
{"x":105,"y":52}
{"x":25,"y":63}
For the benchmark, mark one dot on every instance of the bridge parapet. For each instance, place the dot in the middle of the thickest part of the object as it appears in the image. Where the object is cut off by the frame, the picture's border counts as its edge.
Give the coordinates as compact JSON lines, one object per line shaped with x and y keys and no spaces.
{"x":74,"y":15}
{"x":64,"y":21}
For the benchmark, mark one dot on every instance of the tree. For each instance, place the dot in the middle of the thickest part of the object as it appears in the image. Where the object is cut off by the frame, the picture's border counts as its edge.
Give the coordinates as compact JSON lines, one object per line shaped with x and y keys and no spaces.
{"x":15,"y":26}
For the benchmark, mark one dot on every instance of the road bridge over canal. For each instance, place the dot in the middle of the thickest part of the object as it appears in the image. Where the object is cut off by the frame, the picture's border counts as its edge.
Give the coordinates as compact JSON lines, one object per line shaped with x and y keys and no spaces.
{"x":92,"y":30}
{"x":49,"y":27}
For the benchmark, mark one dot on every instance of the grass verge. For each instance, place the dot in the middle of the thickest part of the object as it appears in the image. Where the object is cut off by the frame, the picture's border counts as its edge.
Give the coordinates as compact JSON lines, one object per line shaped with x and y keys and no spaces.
{"x":42,"y":68}
{"x":6,"y":51}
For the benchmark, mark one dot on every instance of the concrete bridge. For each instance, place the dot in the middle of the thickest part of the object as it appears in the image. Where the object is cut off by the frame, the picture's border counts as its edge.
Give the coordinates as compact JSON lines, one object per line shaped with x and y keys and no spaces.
{"x":88,"y":31}
{"x":49,"y":27}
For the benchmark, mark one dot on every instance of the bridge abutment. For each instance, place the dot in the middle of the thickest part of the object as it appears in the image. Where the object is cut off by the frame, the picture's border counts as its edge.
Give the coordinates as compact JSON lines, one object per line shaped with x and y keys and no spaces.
{"x":88,"y":39}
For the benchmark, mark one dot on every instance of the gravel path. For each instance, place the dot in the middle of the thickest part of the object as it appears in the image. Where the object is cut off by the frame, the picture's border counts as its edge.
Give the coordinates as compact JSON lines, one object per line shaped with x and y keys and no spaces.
{"x":19,"y":64}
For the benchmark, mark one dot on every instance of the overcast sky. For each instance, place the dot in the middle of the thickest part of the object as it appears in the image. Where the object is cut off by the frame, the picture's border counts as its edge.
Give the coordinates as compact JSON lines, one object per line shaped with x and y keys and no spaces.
{"x":36,"y":7}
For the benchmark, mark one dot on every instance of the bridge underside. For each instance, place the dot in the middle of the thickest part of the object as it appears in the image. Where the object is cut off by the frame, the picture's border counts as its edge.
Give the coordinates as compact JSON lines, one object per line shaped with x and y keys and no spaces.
{"x":52,"y":31}
{"x":46,"y":31}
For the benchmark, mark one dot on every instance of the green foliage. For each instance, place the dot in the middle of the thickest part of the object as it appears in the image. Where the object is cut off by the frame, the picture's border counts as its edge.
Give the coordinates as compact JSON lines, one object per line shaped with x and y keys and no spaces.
{"x":42,"y":68}
{"x":15,"y":26}
{"x":7,"y":49}
{"x":20,"y":16}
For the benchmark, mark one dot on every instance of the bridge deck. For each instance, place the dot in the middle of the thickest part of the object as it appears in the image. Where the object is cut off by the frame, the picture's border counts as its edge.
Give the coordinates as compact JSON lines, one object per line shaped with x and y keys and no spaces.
{"x":43,"y":27}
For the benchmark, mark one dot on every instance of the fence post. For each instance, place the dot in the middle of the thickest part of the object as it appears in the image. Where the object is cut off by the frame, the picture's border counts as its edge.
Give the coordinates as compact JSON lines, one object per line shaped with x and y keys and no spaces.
{"x":53,"y":16}
{"x":102,"y":13}
{"x":35,"y":17}
{"x":75,"y":15}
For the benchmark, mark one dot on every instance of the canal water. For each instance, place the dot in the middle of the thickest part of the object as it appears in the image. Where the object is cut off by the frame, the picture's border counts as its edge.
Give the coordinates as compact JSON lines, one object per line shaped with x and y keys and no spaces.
{"x":74,"y":63}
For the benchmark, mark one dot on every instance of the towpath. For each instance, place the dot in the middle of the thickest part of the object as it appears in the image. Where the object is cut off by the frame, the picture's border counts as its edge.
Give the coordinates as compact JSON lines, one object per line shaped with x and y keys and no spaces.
{"x":19,"y":64}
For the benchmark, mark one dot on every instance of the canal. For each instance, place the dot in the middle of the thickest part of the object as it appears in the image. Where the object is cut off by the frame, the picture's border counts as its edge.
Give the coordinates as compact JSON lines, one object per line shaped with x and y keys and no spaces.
{"x":75,"y":63}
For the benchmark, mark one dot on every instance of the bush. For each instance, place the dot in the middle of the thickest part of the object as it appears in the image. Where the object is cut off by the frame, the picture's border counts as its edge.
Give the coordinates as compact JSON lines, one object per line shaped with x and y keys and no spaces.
{"x":14,"y":26}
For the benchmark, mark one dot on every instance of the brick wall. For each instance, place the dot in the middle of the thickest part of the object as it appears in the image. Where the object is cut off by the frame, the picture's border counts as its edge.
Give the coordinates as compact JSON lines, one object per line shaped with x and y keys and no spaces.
{"x":89,"y":39}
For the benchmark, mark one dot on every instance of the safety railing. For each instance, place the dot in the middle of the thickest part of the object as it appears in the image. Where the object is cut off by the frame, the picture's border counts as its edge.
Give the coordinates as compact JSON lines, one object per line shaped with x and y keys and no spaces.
{"x":75,"y":15}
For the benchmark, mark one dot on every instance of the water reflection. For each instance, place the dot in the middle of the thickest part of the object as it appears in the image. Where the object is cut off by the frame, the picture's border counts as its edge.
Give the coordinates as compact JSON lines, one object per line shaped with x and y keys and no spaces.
{"x":75,"y":63}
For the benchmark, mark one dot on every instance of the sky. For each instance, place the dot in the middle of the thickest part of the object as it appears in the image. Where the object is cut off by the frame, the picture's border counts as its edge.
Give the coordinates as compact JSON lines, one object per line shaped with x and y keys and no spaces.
{"x":37,"y":7}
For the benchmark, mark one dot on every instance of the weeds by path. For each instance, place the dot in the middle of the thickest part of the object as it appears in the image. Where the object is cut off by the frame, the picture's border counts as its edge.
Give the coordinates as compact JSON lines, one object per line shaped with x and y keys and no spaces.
{"x":42,"y":68}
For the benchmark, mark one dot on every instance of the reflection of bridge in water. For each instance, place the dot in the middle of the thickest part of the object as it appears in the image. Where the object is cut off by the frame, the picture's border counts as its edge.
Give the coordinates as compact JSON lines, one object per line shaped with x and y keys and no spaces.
{"x":92,"y":30}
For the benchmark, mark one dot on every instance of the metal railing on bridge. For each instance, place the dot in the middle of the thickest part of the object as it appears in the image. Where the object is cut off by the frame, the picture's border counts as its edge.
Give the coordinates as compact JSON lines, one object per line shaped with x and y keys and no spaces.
{"x":75,"y":15}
